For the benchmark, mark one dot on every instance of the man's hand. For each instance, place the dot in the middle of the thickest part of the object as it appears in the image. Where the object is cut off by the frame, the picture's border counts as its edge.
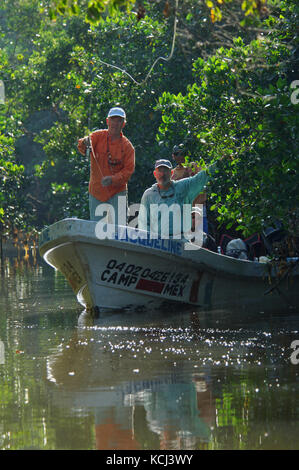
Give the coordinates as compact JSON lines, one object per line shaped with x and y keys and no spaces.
{"x":106,"y":181}
{"x":86,"y":141}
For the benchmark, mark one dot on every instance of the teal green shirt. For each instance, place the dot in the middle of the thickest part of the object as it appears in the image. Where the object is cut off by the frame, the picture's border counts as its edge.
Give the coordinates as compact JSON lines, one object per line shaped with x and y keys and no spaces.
{"x":181,"y":192}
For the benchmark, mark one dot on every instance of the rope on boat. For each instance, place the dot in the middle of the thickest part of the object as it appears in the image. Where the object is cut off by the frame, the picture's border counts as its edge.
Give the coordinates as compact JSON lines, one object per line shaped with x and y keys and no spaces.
{"x":285,"y":274}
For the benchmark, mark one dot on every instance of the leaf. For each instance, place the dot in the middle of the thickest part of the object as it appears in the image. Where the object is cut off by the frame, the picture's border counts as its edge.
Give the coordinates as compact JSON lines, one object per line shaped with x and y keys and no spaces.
{"x":213,"y":17}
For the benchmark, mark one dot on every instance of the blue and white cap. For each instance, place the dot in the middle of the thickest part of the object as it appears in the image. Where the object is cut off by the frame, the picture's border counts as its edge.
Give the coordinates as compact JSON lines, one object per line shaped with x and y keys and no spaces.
{"x":163,"y":162}
{"x":117,"y":112}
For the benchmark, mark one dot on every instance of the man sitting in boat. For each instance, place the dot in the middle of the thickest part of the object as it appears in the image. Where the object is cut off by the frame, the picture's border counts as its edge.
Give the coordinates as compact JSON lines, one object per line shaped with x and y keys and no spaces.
{"x":183,"y":171}
{"x":174,"y":195}
{"x":112,"y":162}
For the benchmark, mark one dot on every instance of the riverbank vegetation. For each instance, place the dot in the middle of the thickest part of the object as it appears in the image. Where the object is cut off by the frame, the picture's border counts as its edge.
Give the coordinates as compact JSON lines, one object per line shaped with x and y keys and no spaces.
{"x":229,"y":86}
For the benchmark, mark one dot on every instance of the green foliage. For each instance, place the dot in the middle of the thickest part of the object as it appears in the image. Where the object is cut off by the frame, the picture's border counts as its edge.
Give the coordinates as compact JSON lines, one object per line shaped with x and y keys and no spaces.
{"x":12,"y":179}
{"x":94,"y":8}
{"x":239,"y":106}
{"x":11,"y":188}
{"x":62,"y":76}
{"x":65,"y":75}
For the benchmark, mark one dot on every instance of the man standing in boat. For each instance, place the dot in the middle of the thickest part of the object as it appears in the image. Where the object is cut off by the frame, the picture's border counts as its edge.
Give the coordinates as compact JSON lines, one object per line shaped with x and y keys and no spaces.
{"x":112,"y":162}
{"x":172,"y":195}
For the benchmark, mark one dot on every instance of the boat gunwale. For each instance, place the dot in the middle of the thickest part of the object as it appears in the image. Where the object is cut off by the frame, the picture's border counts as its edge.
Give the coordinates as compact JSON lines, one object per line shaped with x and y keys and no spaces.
{"x":198,"y":265}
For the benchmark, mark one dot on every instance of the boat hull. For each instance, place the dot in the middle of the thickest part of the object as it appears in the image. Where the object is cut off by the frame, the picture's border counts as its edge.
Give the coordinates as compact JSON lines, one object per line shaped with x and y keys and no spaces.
{"x":129,"y":273}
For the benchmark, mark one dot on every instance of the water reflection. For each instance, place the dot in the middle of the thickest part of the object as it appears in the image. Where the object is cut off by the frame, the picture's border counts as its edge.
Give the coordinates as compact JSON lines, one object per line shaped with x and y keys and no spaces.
{"x":117,"y":373}
{"x":176,"y":383}
{"x":183,"y":380}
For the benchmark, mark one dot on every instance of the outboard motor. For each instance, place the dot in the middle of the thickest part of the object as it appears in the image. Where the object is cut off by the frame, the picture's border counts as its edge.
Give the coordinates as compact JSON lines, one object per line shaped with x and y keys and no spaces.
{"x":237,"y":249}
{"x":272,"y":235}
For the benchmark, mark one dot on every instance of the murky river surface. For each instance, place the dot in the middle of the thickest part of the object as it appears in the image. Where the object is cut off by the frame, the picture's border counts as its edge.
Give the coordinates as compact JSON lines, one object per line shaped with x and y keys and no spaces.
{"x":182,"y":380}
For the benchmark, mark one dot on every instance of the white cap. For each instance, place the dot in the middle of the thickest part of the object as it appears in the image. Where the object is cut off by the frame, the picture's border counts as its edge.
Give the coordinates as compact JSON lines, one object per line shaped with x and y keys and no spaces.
{"x":117,"y":112}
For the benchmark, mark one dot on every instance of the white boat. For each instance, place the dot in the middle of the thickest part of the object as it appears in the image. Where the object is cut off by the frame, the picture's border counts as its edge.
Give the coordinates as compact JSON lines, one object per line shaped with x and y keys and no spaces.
{"x":131,"y":272}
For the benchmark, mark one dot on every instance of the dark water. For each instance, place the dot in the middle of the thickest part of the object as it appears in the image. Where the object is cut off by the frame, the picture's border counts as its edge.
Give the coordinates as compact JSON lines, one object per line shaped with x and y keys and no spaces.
{"x":183,"y":380}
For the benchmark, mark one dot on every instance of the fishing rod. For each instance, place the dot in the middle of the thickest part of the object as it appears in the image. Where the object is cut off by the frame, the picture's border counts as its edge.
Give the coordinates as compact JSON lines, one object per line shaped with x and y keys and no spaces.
{"x":89,"y":149}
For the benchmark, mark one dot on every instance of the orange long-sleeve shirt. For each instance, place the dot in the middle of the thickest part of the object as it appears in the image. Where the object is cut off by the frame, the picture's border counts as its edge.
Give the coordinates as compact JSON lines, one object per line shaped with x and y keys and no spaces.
{"x":111,"y":158}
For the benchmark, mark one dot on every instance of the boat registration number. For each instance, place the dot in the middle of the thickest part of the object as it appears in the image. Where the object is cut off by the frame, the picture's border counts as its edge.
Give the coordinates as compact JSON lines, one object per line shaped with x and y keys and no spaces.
{"x":144,"y":278}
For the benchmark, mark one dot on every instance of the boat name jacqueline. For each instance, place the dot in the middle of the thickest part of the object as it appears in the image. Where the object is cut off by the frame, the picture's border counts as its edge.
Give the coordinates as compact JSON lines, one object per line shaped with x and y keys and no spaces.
{"x":137,"y":237}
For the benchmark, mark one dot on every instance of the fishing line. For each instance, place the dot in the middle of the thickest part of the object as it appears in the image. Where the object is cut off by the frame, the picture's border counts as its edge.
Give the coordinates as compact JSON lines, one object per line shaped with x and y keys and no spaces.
{"x":123,"y":71}
{"x":166,"y":59}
